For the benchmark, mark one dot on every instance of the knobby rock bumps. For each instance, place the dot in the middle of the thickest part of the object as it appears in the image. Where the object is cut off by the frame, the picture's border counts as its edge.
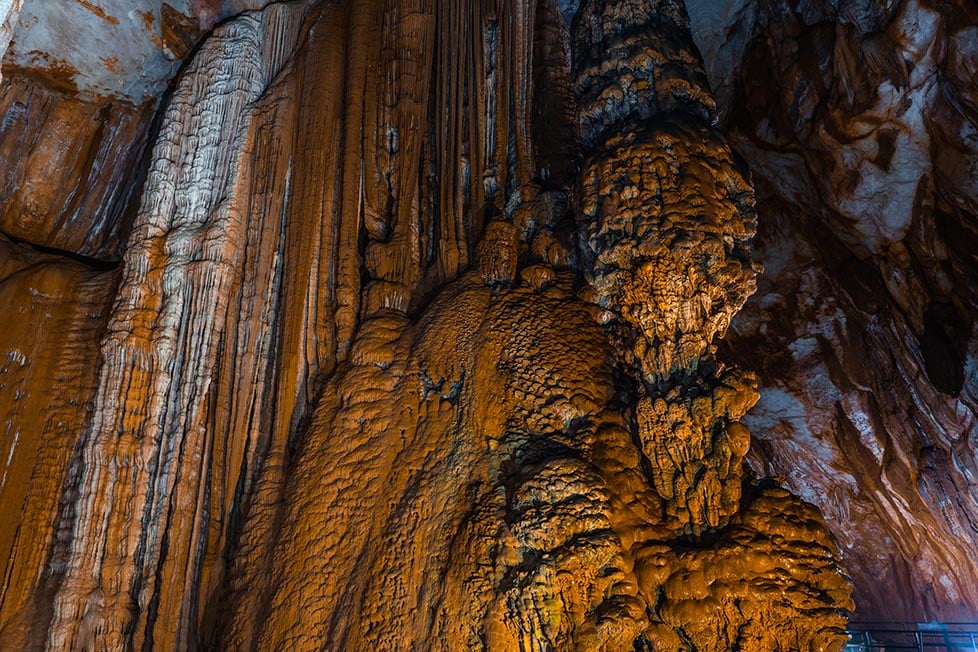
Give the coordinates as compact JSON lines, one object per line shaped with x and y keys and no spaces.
{"x":454,"y":392}
{"x":542,"y":463}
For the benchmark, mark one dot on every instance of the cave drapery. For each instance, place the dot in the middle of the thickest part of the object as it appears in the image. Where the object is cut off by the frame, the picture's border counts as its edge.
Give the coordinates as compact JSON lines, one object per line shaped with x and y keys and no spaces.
{"x":440,"y":325}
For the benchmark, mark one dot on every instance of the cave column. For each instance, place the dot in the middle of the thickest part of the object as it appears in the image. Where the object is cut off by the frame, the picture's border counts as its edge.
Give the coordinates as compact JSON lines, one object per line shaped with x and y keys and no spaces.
{"x":665,"y":223}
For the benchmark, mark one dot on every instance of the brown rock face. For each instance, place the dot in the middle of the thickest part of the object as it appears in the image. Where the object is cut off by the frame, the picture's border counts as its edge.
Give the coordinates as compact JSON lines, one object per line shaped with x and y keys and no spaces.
{"x":665,"y":223}
{"x":70,"y":167}
{"x":858,"y":120}
{"x":53,"y":312}
{"x":412,"y":345}
{"x":505,"y":465}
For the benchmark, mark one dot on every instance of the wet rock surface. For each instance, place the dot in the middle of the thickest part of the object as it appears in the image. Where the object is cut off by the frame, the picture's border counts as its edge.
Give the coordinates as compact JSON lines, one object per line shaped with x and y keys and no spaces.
{"x":72,"y":167}
{"x":53,"y":313}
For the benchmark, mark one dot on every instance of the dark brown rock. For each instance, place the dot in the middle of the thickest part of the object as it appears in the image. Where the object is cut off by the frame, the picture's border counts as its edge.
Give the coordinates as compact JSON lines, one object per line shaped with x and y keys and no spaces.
{"x":71,"y":167}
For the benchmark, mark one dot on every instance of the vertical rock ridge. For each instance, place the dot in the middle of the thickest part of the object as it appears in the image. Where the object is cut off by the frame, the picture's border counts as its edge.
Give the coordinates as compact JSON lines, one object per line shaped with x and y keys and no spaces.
{"x":56,"y":311}
{"x":388,"y":368}
{"x":666,"y":219}
{"x":146,"y":464}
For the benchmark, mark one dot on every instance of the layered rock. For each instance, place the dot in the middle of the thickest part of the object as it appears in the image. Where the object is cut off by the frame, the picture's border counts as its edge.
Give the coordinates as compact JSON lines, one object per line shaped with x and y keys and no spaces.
{"x":504,"y":465}
{"x":72,"y":167}
{"x":54,"y":310}
{"x":478,"y":471}
{"x":170,"y":445}
{"x":665,"y":222}
{"x":857,"y":120}
{"x":508,"y":446}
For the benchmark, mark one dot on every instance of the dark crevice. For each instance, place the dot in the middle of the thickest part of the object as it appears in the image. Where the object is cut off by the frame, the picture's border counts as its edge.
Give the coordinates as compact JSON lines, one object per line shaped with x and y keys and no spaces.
{"x":96,"y":264}
{"x":943,"y":346}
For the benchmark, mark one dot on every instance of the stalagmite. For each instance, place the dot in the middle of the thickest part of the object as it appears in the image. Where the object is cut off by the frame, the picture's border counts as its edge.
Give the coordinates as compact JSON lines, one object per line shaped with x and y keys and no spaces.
{"x":504,"y":445}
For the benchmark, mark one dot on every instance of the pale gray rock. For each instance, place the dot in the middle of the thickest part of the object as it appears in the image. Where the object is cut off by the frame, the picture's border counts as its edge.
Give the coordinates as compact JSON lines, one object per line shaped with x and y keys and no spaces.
{"x":118,"y":48}
{"x":9,"y":9}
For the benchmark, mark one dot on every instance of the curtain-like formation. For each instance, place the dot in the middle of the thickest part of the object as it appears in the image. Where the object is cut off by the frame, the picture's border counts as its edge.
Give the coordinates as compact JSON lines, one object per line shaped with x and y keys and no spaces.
{"x":413,"y":349}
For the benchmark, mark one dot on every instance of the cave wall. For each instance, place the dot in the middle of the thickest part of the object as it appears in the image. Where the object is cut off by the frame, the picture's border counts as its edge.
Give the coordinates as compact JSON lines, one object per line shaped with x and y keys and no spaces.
{"x":125,"y":49}
{"x":82,"y":84}
{"x":54,"y":310}
{"x":9,"y":9}
{"x":861,"y":143}
{"x":74,"y":166}
{"x":283,"y":299}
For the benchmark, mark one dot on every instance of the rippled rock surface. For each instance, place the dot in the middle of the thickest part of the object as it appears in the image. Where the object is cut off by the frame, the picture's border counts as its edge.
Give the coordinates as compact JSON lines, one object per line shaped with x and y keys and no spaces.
{"x":398,"y":326}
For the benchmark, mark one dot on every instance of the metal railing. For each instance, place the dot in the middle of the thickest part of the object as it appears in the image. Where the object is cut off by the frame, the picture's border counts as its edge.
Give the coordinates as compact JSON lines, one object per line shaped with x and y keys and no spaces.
{"x":921,"y":637}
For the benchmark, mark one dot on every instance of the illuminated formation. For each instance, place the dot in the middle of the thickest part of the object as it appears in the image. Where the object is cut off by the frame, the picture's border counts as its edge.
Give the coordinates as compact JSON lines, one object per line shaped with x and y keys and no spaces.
{"x":404,"y":325}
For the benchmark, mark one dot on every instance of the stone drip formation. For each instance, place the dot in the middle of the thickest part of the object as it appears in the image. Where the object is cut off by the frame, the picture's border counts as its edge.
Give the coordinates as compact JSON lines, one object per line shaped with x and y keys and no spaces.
{"x":412,"y":346}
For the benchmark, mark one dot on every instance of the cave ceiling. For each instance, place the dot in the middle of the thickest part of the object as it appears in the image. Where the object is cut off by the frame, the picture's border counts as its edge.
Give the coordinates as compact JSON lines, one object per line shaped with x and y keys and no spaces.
{"x":124,"y":49}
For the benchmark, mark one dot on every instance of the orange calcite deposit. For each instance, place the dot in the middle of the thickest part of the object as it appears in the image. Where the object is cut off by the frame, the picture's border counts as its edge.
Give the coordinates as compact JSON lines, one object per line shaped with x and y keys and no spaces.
{"x":402,"y":336}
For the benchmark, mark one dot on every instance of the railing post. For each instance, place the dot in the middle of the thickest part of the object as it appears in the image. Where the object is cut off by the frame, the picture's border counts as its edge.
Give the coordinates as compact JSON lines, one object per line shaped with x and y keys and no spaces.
{"x":922,"y":637}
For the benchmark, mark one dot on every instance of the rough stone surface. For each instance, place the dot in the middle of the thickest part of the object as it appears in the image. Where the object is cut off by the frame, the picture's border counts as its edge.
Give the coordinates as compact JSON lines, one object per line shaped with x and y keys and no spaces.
{"x":168,"y":441}
{"x":123,"y":49}
{"x":53,"y":314}
{"x":858,"y":121}
{"x":414,"y":347}
{"x":9,"y":9}
{"x":505,"y":465}
{"x":665,"y":221}
{"x":71,"y":167}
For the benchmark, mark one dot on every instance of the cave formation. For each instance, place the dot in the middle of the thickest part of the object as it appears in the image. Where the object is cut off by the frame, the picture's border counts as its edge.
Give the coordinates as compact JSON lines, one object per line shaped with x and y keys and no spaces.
{"x":501,"y":324}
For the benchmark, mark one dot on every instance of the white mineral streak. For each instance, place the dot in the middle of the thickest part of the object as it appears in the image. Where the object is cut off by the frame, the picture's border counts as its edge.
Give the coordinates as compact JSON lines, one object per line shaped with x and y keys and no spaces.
{"x":9,"y":9}
{"x":146,"y":465}
{"x":53,"y":312}
{"x":883,"y":202}
{"x":862,"y":142}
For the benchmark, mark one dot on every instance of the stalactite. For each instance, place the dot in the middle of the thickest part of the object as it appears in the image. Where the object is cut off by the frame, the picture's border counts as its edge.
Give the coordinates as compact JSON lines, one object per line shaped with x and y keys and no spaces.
{"x":666,"y":219}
